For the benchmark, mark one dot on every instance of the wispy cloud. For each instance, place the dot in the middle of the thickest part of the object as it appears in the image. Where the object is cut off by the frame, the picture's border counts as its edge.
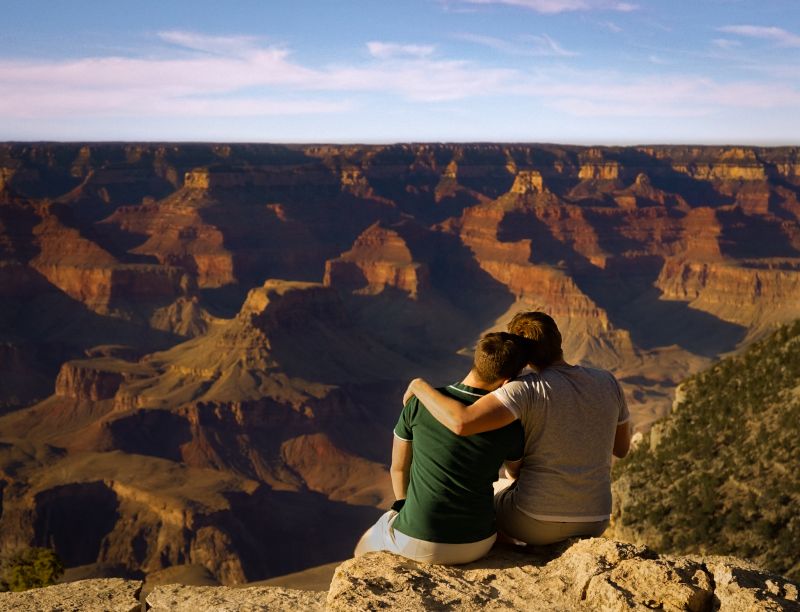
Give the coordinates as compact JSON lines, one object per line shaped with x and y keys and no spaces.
{"x":215,"y":45}
{"x":228,"y":77}
{"x":544,"y":45}
{"x":214,"y":77}
{"x":534,"y":46}
{"x":726,"y":43}
{"x":596,"y":94}
{"x":384,"y":50}
{"x":776,"y":35}
{"x":610,"y":26}
{"x":562,"y":6}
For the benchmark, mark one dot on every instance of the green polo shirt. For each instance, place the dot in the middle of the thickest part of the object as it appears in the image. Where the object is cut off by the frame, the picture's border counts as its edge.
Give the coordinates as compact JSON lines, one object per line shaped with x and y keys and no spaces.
{"x":449,"y":496}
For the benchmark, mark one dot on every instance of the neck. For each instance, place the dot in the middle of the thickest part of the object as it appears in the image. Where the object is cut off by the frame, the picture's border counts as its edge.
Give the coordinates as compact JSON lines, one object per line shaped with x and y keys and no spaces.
{"x":472,"y":380}
{"x":560,"y":362}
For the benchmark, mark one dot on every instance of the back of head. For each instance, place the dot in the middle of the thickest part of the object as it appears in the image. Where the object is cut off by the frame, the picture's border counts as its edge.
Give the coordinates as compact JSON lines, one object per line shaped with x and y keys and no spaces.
{"x":500,"y":356}
{"x":542,"y":330}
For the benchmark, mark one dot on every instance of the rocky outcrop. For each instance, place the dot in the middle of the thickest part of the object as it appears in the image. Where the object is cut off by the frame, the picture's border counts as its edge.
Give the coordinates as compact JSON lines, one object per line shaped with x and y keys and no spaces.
{"x":600,"y":171}
{"x":528,"y":181}
{"x":177,"y":598}
{"x":380,"y":258}
{"x":338,"y":474}
{"x":281,"y":305}
{"x":715,"y":163}
{"x":592,"y":574}
{"x":90,"y":381}
{"x":98,"y":595}
{"x":751,"y":296}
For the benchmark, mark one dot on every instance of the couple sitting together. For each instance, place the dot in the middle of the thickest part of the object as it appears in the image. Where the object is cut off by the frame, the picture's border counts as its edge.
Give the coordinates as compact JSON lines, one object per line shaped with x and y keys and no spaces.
{"x":554,"y":427}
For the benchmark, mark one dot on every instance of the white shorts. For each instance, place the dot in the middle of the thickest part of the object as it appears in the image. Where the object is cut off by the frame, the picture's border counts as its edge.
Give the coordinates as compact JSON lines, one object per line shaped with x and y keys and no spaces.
{"x":381,"y":536}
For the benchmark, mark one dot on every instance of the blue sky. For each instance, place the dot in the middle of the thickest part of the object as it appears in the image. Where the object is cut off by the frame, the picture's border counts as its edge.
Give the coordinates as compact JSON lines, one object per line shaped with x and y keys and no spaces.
{"x":566,"y":71}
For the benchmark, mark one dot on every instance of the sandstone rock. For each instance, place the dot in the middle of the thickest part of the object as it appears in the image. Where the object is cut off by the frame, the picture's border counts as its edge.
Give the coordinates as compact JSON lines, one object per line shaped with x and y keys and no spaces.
{"x":595,"y":574}
{"x":528,"y":181}
{"x":179,"y":598}
{"x":604,"y":171}
{"x":743,"y":586}
{"x":100,"y":595}
{"x":752,"y":297}
{"x":380,"y":258}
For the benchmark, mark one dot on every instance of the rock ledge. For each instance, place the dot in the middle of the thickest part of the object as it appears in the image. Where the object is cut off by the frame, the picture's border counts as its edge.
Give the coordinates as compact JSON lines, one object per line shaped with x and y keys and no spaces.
{"x":595,"y":574}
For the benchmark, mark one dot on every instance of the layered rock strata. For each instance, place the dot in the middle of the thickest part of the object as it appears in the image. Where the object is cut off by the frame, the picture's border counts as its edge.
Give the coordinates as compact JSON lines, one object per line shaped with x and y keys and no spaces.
{"x":654,"y":261}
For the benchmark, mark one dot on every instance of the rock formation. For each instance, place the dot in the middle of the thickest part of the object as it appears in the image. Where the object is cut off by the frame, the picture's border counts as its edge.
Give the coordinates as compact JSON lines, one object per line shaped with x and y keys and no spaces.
{"x":594,"y":574}
{"x":380,"y":258}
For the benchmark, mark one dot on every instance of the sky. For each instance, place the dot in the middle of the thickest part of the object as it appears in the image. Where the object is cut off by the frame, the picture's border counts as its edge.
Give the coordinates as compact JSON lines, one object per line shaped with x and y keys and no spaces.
{"x":381,"y":71}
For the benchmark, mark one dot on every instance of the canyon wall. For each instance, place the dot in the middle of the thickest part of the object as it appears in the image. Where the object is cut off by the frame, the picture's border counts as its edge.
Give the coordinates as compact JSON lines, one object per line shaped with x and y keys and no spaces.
{"x":208,"y":343}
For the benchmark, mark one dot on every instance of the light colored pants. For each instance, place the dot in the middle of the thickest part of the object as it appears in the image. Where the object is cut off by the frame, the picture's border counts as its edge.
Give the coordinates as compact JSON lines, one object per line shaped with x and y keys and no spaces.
{"x":518,"y":525}
{"x":381,"y":536}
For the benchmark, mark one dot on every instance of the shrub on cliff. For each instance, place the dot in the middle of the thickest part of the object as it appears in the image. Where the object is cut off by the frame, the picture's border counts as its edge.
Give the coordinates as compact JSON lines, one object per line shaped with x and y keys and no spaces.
{"x":30,"y":568}
{"x":723,"y":475}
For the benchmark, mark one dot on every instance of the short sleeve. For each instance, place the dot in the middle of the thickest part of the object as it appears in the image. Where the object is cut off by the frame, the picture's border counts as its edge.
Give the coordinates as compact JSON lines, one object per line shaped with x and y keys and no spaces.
{"x":403,"y":430}
{"x":624,"y":413}
{"x":517,"y":448}
{"x":513,"y":396}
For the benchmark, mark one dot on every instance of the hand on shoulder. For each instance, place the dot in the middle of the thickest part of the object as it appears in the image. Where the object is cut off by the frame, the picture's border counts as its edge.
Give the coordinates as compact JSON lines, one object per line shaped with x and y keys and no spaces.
{"x":410,"y":390}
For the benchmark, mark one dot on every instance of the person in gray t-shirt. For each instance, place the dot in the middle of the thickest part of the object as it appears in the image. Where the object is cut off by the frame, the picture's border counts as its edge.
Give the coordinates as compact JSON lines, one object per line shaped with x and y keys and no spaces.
{"x":574,"y":418}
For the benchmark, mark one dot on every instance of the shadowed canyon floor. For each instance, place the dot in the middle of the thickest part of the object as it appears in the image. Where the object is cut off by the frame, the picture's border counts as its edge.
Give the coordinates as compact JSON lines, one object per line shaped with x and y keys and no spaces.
{"x":203,"y":347}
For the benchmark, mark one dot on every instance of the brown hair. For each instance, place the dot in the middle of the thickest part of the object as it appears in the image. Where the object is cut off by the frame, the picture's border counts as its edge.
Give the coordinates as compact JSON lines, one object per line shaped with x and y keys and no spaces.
{"x":499,"y":356}
{"x":541,"y":329}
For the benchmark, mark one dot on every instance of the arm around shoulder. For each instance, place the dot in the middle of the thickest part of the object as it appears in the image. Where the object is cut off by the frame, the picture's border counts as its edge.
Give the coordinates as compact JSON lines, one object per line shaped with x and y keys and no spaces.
{"x":486,"y":414}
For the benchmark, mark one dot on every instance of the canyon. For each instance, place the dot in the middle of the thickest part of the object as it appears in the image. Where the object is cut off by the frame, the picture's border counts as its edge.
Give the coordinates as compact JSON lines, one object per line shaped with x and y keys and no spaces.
{"x":203,"y":347}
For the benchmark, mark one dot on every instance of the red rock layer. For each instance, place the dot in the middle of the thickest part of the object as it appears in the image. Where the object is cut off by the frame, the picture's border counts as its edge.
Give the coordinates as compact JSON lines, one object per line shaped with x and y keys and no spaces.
{"x":380,"y":258}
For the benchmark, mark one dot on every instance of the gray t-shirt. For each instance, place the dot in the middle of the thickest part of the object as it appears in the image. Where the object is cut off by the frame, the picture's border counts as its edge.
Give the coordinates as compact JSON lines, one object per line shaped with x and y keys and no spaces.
{"x":570,"y":416}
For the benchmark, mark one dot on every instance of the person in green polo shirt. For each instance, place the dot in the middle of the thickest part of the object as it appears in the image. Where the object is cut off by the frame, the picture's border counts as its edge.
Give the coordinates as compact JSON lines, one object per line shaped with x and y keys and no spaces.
{"x":442,"y":481}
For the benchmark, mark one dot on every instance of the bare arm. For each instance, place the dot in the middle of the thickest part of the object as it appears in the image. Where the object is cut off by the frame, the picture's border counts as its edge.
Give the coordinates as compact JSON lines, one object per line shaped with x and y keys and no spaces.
{"x":486,"y":414}
{"x":401,"y":467}
{"x":622,"y":440}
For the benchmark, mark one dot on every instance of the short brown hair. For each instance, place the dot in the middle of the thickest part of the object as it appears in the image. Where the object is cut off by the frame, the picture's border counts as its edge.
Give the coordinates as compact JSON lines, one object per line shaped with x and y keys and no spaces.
{"x":542,"y":330}
{"x":499,"y":356}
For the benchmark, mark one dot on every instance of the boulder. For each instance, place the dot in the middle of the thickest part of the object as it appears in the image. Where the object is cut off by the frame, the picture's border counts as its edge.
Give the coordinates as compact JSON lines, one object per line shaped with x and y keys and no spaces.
{"x":98,"y":595}
{"x":594,"y":574}
{"x":179,"y":598}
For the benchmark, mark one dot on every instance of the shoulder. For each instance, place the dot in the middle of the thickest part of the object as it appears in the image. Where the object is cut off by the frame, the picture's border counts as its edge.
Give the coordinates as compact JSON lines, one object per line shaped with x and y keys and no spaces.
{"x":603,"y":383}
{"x":528,"y":379}
{"x":520,"y":389}
{"x":527,"y":383}
{"x":597,"y":374}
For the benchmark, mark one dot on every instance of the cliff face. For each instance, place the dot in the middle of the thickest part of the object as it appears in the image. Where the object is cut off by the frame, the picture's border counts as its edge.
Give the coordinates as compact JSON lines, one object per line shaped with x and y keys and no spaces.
{"x":380,"y":258}
{"x":242,"y":434}
{"x":139,"y":331}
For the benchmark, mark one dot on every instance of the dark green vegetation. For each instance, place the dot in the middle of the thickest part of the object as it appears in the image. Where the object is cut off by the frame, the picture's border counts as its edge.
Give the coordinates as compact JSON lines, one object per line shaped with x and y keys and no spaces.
{"x":722,"y":473}
{"x":30,"y":568}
